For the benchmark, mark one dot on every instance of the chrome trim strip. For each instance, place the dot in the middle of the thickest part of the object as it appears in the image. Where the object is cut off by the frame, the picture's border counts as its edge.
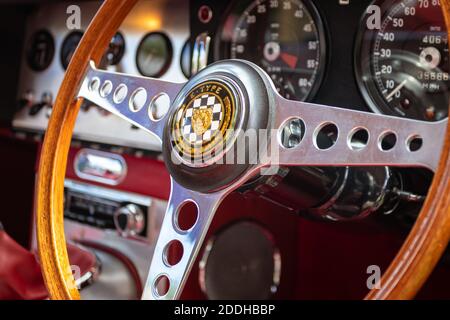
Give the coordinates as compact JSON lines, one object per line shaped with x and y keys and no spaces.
{"x":101,"y":154}
{"x":110,"y":194}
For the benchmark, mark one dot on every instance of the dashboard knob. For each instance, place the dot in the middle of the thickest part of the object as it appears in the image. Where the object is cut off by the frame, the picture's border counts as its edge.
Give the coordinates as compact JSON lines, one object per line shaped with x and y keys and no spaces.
{"x":129,"y":220}
{"x":46,"y":101}
{"x":26,"y":100}
{"x":35,"y":108}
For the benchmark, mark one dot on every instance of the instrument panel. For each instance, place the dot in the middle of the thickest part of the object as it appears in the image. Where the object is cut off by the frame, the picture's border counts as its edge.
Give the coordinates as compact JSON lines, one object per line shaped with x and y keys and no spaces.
{"x":400,"y":59}
{"x":50,"y":44}
{"x":385,"y":56}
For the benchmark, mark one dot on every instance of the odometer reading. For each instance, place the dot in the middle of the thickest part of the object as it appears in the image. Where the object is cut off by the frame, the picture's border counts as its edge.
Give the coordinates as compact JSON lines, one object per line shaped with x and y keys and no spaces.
{"x":405,"y":65}
{"x":284,"y":37}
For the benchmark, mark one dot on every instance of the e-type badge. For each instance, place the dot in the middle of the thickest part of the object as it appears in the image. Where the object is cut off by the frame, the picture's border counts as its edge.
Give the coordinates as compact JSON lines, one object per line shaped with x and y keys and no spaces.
{"x":200,"y":126}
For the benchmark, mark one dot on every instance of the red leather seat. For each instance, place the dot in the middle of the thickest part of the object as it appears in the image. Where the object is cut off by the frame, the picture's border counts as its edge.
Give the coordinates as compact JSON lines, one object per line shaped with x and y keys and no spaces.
{"x":20,"y":272}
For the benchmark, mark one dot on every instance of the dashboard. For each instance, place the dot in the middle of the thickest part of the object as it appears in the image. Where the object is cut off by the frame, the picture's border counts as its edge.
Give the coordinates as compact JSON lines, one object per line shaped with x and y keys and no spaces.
{"x":382,"y":56}
{"x":385,"y":56}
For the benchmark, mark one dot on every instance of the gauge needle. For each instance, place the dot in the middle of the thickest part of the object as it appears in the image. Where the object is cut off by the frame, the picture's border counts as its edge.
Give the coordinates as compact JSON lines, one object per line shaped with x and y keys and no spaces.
{"x":396,"y":89}
{"x":289,"y":59}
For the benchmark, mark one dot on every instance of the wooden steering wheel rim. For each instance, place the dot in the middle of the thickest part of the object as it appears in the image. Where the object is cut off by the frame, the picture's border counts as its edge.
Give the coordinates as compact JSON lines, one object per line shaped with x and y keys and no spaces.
{"x":405,"y":276}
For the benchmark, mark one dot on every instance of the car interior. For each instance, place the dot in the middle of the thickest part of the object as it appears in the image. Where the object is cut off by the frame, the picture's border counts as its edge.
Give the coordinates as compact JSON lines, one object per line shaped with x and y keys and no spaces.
{"x":225,"y":150}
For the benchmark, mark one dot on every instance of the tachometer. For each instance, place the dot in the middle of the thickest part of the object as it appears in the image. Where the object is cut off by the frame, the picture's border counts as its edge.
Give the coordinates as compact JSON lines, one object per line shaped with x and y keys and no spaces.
{"x":284,"y":37}
{"x":402,"y":66}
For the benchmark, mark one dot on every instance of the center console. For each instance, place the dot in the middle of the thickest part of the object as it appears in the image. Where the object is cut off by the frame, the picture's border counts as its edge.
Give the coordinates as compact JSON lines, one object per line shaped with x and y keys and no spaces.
{"x":113,"y":224}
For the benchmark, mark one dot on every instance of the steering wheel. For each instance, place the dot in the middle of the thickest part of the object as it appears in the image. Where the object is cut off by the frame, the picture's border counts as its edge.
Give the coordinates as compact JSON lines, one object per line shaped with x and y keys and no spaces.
{"x":199,"y":147}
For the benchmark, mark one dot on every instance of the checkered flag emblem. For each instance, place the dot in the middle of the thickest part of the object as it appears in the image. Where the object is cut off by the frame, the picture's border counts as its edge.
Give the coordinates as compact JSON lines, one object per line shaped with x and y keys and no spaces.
{"x":204,"y":102}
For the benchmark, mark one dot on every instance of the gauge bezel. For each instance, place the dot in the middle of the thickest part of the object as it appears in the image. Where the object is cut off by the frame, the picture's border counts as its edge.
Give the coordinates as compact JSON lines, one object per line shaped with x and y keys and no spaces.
{"x":168,"y":61}
{"x":368,"y":89}
{"x":221,"y":52}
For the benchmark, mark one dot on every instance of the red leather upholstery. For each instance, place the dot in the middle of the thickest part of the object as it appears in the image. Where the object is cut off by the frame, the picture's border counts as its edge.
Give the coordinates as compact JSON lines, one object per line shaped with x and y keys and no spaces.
{"x":20,"y":273}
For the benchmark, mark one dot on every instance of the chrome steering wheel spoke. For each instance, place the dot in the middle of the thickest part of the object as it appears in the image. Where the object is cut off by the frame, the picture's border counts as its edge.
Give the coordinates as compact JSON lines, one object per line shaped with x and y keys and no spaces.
{"x":329,"y":136}
{"x":132,"y":98}
{"x":171,"y":278}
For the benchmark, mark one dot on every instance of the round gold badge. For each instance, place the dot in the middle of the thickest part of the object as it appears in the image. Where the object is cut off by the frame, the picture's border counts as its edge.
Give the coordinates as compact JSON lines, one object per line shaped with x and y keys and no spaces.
{"x":200,"y":127}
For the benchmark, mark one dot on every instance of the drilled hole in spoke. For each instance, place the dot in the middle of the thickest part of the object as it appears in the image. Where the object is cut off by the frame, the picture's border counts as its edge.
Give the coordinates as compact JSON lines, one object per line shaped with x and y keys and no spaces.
{"x":292,"y":132}
{"x":106,"y":88}
{"x":358,"y":139}
{"x":326,"y":136}
{"x":120,"y":94}
{"x":161,"y":286}
{"x":173,"y":252}
{"x":159,"y":106}
{"x":186,"y":216}
{"x":387,"y":141}
{"x":138,"y":99}
{"x":414,"y":143}
{"x":94,"y":84}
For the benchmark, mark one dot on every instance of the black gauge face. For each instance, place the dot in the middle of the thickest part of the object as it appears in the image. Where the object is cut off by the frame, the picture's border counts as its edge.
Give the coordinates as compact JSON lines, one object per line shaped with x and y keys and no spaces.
{"x":40,"y":51}
{"x":154,"y":55}
{"x":115,"y":50}
{"x":284,"y":37}
{"x":403,"y":67}
{"x":69,"y":46}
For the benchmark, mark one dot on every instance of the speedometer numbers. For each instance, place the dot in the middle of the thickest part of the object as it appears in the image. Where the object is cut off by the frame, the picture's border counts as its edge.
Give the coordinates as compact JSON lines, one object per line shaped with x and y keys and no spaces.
{"x":403,"y":67}
{"x":284,"y":37}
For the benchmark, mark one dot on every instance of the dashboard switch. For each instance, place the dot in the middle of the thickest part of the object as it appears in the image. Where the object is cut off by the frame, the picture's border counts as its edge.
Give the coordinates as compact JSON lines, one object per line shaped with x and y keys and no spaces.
{"x":129,"y":220}
{"x":35,"y":108}
{"x":205,"y":14}
{"x":46,"y":101}
{"x":26,"y":100}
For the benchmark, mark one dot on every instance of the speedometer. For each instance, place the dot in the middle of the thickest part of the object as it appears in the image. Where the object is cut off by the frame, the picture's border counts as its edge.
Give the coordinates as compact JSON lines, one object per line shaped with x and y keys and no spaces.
{"x":402,"y":64}
{"x":284,"y":37}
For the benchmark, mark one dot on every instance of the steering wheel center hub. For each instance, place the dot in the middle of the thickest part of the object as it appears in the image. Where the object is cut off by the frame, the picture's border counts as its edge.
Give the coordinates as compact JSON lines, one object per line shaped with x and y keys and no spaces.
{"x":205,"y":123}
{"x":210,"y":114}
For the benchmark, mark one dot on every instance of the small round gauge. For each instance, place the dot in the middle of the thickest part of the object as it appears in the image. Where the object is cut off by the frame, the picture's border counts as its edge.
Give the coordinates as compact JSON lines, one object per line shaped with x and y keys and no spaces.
{"x":40,"y":51}
{"x":185,"y":59}
{"x":402,"y":66}
{"x":69,"y":46}
{"x":115,"y":50}
{"x":154,"y":55}
{"x":285,"y":38}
